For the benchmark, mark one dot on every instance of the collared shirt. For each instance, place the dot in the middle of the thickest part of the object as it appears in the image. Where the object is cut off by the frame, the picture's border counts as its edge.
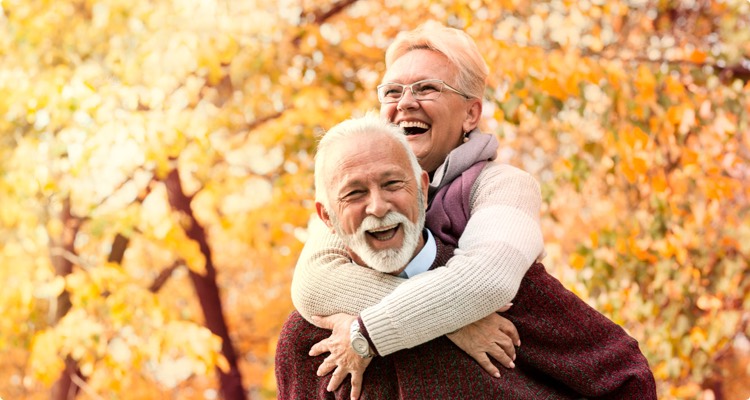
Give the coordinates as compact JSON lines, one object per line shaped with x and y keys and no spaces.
{"x":423,"y":260}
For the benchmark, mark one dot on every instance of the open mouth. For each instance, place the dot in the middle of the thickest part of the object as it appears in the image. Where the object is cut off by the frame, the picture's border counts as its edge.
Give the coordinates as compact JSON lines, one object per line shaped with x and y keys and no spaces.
{"x":384,"y":233}
{"x":414,"y":127}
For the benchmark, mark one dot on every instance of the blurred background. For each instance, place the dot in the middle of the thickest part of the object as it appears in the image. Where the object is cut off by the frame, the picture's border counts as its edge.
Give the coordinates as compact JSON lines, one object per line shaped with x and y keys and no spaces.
{"x":156,"y":176}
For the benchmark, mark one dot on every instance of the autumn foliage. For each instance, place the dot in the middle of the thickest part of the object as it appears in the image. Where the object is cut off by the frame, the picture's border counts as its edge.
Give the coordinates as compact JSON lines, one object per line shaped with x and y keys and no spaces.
{"x":156,"y":176}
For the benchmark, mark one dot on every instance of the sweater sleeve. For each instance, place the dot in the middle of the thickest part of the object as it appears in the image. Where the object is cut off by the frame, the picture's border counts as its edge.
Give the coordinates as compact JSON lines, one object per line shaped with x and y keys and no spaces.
{"x":502,"y":239}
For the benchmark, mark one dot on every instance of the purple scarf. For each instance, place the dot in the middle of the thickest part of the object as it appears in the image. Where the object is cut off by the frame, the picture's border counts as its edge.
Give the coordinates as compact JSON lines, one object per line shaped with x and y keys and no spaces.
{"x":449,"y":210}
{"x":480,"y":147}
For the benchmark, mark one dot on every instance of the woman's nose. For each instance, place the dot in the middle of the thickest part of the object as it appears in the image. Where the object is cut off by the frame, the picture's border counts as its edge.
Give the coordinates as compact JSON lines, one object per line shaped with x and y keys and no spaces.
{"x":407,"y":100}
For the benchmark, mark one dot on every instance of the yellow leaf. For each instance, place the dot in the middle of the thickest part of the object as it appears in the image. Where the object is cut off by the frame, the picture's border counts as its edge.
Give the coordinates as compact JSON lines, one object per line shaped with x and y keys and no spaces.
{"x":665,"y":248}
{"x":46,"y":365}
{"x":594,"y":239}
{"x":661,"y":372}
{"x":222,"y":363}
{"x":577,"y":261}
{"x":674,"y":87}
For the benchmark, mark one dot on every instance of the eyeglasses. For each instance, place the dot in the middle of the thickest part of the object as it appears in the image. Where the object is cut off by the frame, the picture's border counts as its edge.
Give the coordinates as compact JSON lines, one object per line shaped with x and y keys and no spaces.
{"x":428,"y":89}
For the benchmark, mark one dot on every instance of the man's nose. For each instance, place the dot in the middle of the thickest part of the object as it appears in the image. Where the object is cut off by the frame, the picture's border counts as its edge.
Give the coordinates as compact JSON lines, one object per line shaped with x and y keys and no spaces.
{"x":378,"y":205}
{"x":407,"y":100}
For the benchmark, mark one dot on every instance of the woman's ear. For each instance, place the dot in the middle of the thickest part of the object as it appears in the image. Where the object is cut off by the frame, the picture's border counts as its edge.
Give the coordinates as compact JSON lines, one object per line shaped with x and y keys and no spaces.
{"x":473,"y":114}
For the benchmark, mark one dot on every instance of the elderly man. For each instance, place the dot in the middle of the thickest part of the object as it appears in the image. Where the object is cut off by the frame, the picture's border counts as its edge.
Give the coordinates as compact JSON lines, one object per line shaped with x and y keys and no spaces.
{"x":371,"y":192}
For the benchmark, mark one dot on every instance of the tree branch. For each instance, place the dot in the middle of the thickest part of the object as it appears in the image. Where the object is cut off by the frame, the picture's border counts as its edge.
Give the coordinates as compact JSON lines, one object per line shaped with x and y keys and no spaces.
{"x":260,"y":121}
{"x":119,"y":245}
{"x":320,"y":16}
{"x":164,"y":276}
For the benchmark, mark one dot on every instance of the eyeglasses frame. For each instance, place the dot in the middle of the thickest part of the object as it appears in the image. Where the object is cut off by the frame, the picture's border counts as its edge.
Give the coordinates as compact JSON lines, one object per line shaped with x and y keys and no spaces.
{"x":411,"y":89}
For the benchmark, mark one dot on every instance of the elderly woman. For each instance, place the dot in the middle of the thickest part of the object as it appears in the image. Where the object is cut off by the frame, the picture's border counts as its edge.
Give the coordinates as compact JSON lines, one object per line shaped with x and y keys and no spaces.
{"x":432,"y":89}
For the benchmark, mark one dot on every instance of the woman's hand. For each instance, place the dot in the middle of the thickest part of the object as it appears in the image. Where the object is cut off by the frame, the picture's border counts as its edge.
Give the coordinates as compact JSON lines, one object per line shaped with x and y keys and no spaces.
{"x":342,"y":357}
{"x":492,"y":336}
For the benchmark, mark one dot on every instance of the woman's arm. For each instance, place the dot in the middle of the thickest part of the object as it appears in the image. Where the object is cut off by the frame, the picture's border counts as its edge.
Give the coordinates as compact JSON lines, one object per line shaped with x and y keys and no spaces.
{"x":502,"y":239}
{"x":500,"y":242}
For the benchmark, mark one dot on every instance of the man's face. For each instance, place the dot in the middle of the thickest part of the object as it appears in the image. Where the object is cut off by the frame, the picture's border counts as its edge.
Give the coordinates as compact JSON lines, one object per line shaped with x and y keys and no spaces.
{"x":433,"y":127}
{"x":376,"y":203}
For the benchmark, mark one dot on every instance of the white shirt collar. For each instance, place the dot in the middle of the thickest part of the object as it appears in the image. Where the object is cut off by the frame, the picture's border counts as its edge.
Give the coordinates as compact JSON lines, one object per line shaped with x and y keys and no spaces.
{"x":423,"y":260}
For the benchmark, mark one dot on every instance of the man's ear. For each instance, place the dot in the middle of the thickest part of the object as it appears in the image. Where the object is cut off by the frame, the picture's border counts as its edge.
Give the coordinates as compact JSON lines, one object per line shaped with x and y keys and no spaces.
{"x":425,"y":180}
{"x":323,"y":214}
{"x":473,"y":115}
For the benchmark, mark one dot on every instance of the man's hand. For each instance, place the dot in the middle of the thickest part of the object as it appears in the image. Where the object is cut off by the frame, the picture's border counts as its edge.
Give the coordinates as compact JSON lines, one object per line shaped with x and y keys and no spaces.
{"x":342,"y":357}
{"x":492,"y":336}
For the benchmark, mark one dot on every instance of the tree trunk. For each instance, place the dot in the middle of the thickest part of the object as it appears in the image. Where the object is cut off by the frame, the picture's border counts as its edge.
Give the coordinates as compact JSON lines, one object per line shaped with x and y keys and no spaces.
{"x":64,"y":388}
{"x":207,"y":290}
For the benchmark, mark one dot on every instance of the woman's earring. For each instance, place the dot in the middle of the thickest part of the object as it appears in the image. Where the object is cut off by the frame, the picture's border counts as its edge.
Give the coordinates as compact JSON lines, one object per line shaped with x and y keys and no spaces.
{"x":466,"y":137}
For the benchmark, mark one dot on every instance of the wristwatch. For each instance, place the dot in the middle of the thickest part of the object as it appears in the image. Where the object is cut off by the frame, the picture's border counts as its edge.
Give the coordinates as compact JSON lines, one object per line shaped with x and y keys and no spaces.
{"x":359,"y":342}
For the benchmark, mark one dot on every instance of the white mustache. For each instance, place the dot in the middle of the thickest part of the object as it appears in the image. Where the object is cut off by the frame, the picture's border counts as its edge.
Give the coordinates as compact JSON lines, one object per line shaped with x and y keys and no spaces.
{"x":372,"y":223}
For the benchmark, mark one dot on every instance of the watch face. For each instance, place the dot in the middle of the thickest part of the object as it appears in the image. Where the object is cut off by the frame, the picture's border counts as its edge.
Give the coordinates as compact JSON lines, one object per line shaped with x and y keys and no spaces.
{"x":360,"y":346}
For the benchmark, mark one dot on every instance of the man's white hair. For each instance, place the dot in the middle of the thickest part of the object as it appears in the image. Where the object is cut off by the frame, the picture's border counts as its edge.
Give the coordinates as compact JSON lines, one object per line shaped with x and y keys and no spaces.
{"x":369,"y":125}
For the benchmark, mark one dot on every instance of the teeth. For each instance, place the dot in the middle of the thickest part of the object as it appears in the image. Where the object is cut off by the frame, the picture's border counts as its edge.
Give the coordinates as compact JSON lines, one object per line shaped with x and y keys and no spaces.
{"x":383,"y":229}
{"x":413,"y":124}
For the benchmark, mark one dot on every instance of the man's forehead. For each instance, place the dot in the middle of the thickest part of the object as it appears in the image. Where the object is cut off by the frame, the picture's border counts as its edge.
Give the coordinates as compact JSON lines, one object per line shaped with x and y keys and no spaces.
{"x":356,"y":159}
{"x":376,"y":145}
{"x":351,"y":168}
{"x":385,"y":170}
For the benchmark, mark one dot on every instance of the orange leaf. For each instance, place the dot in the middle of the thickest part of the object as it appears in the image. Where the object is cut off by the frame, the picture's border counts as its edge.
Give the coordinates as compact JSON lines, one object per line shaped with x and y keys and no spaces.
{"x":697,"y":56}
{"x":659,"y":182}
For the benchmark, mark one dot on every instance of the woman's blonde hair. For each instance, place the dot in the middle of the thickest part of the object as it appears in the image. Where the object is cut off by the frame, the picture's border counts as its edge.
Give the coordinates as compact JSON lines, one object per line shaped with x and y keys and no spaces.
{"x":454,"y":44}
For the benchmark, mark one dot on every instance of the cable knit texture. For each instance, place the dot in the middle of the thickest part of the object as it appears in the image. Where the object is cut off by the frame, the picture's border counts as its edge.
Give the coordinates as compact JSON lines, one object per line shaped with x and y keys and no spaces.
{"x":492,"y":257}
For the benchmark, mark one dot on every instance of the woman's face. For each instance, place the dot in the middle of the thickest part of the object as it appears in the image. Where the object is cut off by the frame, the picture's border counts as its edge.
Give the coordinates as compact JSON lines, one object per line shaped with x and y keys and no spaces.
{"x":433,"y":127}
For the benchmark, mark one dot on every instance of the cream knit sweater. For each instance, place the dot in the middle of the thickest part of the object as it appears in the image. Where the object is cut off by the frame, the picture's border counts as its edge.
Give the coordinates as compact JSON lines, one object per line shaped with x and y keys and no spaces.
{"x":502,"y":239}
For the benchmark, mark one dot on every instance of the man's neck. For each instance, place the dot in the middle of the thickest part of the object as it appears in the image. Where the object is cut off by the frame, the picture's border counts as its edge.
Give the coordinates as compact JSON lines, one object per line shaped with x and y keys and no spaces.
{"x":420,"y":246}
{"x":424,"y":259}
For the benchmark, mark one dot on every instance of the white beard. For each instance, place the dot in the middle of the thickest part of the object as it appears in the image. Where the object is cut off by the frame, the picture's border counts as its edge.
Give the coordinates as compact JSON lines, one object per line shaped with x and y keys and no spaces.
{"x":389,"y":260}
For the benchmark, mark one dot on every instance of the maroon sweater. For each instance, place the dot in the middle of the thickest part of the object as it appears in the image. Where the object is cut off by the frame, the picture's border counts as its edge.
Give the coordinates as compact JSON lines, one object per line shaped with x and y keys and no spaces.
{"x":568,"y":350}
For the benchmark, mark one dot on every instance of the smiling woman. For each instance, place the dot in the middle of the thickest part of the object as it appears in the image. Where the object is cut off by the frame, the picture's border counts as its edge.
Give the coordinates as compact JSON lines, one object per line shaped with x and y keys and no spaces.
{"x":435,"y":123}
